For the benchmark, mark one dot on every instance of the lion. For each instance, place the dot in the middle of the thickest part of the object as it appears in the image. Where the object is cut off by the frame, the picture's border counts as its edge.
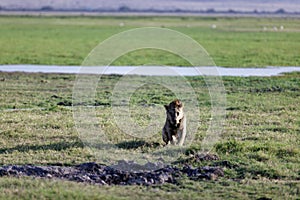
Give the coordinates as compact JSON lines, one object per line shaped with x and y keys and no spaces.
{"x":174,"y":130}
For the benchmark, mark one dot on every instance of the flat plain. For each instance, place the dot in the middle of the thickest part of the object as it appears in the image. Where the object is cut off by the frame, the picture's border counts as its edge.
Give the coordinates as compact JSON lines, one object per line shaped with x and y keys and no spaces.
{"x":260,"y":140}
{"x":231,"y":42}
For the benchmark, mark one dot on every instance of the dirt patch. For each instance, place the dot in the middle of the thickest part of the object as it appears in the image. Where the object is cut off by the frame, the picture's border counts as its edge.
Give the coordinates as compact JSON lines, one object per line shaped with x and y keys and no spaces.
{"x":104,"y":175}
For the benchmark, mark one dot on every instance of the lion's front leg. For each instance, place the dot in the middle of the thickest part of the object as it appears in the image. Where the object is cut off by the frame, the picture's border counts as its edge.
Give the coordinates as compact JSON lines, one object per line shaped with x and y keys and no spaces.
{"x":165,"y":136}
{"x":182,"y":132}
{"x":174,"y":140}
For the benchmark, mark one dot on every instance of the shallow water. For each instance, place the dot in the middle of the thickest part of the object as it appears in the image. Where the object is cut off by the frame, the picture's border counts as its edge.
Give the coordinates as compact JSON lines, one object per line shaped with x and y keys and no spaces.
{"x":151,"y":70}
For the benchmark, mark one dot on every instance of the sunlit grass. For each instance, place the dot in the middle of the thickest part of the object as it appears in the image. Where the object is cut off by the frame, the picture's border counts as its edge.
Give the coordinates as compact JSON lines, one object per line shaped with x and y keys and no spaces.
{"x":259,"y":146}
{"x":235,"y":42}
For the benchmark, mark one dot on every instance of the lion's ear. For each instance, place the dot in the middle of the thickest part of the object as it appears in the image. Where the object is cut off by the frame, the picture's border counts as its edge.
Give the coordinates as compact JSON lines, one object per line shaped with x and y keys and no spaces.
{"x":180,"y":105}
{"x":166,"y":107}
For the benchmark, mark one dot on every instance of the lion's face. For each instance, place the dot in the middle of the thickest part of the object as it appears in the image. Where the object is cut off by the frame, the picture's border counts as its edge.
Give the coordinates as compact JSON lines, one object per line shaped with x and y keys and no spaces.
{"x":174,"y":112}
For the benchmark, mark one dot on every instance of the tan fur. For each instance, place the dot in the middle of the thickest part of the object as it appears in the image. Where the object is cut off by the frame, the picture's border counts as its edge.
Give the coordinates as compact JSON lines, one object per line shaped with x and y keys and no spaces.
{"x":174,"y":130}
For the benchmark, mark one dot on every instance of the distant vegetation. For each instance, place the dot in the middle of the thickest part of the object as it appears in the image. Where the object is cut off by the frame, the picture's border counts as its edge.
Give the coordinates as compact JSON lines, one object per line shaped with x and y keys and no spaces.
{"x":127,"y":9}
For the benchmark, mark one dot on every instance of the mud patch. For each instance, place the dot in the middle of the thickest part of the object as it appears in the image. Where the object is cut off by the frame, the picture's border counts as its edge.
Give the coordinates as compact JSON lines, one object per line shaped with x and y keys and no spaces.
{"x":98,"y":174}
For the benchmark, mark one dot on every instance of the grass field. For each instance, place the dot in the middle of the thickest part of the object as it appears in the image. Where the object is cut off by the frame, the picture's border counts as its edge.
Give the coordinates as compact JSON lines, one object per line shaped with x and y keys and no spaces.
{"x":235,"y":42}
{"x":260,"y":141}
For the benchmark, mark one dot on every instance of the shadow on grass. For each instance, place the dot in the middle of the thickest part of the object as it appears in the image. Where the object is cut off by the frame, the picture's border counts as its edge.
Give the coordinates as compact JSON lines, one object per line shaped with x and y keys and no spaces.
{"x":137,"y":144}
{"x":53,"y":146}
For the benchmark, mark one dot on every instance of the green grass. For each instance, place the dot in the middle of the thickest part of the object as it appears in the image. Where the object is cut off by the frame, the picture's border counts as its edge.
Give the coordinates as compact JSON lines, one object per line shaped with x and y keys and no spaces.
{"x":28,"y":188}
{"x":260,"y":142}
{"x":259,"y":147}
{"x":236,"y":42}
